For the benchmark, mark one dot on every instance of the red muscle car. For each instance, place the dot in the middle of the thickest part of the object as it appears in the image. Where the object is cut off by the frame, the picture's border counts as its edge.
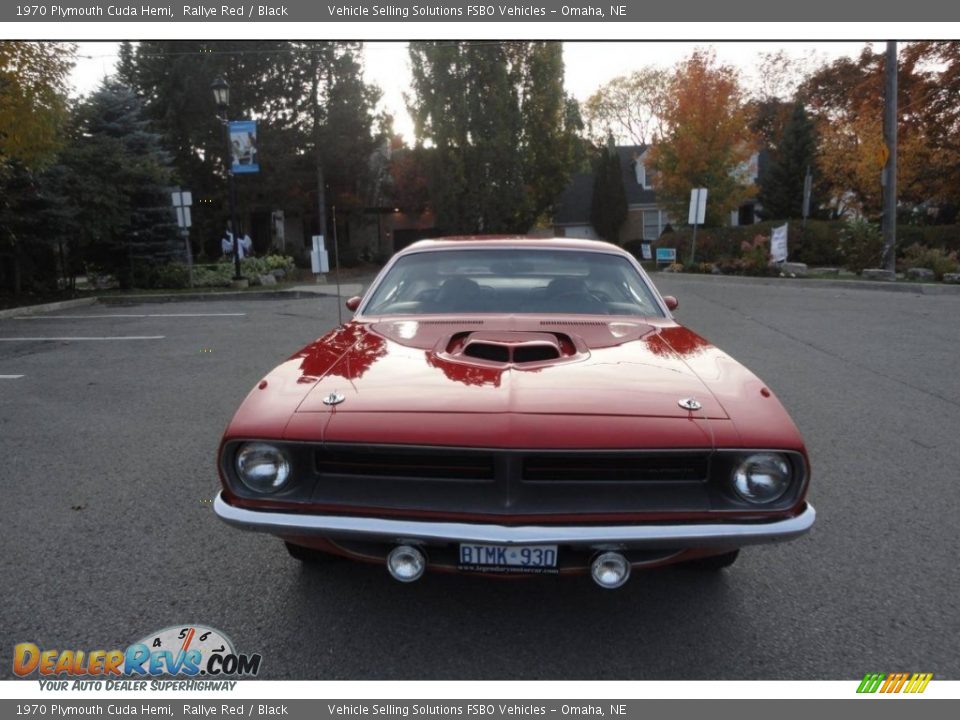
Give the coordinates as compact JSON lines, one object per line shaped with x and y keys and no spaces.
{"x":514,"y":405}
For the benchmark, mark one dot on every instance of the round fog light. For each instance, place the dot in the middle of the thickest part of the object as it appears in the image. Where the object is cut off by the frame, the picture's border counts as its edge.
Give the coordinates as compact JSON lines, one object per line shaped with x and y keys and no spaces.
{"x":406,"y":563}
{"x":610,"y":570}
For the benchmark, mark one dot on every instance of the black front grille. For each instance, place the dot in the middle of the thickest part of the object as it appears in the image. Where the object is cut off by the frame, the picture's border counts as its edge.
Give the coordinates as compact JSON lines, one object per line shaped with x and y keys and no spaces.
{"x":615,"y":468}
{"x":504,"y":481}
{"x":437,"y":465}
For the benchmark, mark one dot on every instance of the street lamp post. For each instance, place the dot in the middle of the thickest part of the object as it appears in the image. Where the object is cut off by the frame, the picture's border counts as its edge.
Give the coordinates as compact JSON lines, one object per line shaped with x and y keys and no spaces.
{"x":221,"y":95}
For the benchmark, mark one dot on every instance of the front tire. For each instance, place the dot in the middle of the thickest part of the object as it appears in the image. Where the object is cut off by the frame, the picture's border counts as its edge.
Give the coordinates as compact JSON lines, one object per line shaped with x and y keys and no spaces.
{"x":714,"y":563}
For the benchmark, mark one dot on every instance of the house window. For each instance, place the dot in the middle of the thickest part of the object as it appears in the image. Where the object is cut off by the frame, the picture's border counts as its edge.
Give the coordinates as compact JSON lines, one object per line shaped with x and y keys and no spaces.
{"x":651,"y":224}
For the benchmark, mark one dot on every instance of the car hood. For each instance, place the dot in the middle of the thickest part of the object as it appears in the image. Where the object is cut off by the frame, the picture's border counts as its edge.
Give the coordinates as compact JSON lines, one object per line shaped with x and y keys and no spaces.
{"x":604,"y":368}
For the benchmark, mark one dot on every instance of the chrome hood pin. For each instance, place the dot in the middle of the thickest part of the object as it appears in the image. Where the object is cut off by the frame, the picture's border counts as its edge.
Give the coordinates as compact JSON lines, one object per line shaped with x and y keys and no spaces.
{"x":334,"y":398}
{"x":687,"y":404}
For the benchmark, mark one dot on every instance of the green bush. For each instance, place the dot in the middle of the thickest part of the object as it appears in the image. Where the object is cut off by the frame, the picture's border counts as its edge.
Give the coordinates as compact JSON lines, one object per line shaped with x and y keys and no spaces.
{"x":219,"y":275}
{"x":861,"y":246}
{"x":936,"y":259}
{"x":817,"y":245}
{"x":170,"y":276}
{"x":249,"y":267}
{"x":177,"y":276}
{"x":942,"y":237}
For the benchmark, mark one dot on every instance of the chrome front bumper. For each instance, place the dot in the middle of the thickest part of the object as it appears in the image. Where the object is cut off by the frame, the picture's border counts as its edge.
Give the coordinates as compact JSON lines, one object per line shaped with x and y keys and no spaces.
{"x":687,"y":535}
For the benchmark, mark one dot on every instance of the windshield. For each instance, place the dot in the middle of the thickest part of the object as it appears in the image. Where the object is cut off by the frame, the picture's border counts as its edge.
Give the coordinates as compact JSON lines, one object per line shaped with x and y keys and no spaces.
{"x":517,"y":280}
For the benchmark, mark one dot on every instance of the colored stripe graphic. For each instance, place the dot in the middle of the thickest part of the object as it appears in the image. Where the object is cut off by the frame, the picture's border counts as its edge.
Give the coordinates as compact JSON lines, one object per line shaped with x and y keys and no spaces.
{"x":894,"y":683}
{"x":918,"y":686}
{"x":871,"y":682}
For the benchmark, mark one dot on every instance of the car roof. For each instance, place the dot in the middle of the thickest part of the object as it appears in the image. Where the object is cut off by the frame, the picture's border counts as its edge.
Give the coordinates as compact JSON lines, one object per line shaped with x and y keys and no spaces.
{"x":520,"y":241}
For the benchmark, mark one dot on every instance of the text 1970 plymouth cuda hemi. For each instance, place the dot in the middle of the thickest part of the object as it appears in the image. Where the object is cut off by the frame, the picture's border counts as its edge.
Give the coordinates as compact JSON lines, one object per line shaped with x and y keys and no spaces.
{"x":514,"y":405}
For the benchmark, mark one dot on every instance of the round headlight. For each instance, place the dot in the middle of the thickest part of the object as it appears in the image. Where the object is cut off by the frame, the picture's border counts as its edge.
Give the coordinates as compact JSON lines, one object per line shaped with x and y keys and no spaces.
{"x":263,"y":468}
{"x":762,"y":477}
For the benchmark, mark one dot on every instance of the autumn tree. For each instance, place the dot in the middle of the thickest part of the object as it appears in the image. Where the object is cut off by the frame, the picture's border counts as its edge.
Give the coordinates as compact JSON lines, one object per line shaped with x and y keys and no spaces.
{"x":33,"y":109}
{"x":845,"y":98}
{"x":937,"y":113}
{"x":707,"y":140}
{"x":502,"y":134}
{"x":33,"y":100}
{"x":629,"y":107}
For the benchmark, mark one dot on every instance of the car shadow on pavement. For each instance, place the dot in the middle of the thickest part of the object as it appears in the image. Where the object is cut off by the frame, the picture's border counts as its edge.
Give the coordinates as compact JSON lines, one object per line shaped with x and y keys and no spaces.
{"x":467,"y":627}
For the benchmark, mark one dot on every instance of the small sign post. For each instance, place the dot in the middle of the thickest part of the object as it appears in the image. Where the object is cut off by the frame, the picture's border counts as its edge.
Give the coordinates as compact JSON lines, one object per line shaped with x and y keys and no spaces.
{"x":666,"y":255}
{"x":319,"y":260}
{"x":696,"y":216}
{"x":182,"y":200}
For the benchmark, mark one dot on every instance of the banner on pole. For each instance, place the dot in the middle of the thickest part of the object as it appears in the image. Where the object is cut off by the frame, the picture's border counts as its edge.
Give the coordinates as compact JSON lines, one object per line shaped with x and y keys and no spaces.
{"x":778,"y":244}
{"x":243,"y":146}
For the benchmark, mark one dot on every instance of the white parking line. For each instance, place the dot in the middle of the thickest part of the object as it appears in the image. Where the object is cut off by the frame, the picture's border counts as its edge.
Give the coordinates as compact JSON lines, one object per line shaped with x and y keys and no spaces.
{"x":10,"y":377}
{"x":120,"y":337}
{"x":127,"y":315}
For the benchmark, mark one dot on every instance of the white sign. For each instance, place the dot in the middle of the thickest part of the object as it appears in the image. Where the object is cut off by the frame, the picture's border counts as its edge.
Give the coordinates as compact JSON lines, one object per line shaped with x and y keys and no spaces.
{"x":778,"y":244}
{"x":181,"y":198}
{"x":698,"y":206}
{"x":183,"y":217}
{"x":319,"y":260}
{"x":181,"y":201}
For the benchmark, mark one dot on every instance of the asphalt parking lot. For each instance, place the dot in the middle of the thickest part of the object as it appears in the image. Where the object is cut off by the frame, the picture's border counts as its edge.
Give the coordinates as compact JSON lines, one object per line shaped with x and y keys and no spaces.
{"x":108,"y":534}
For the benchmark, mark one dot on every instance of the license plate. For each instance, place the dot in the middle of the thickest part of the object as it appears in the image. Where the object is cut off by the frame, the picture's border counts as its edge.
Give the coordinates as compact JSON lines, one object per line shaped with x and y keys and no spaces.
{"x":509,"y":556}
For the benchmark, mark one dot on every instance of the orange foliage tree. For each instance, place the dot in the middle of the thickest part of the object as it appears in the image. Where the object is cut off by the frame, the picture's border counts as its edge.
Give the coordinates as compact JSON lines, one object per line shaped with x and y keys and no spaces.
{"x":846,"y":99}
{"x":707,"y":142}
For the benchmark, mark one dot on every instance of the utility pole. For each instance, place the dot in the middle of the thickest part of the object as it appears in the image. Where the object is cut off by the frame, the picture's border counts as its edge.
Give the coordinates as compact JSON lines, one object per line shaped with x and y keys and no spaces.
{"x":890,"y":169}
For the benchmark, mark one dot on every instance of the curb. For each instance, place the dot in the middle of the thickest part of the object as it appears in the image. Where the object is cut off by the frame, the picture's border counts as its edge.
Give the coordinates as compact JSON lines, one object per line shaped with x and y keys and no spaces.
{"x":213,"y":296}
{"x":902,"y":287}
{"x":48,"y":307}
{"x":160,"y":298}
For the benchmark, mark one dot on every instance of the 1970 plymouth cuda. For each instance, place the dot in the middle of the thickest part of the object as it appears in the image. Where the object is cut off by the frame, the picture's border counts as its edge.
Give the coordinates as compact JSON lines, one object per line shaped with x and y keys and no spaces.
{"x":514,"y":405}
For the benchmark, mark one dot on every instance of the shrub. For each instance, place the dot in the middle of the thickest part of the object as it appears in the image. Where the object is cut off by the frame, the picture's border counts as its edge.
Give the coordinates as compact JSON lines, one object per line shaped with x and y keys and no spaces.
{"x":177,"y":275}
{"x":919,"y":256}
{"x":170,"y":276}
{"x":817,"y":245}
{"x":861,"y":246}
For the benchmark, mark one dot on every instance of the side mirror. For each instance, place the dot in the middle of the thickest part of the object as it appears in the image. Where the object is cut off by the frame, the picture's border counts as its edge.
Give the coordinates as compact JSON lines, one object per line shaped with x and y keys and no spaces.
{"x":353,"y":303}
{"x":671,"y":302}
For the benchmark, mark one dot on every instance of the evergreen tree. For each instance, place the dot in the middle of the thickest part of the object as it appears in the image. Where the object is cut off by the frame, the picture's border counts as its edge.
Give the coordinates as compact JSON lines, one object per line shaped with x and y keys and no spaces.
{"x":781,"y":189}
{"x":608,"y":207}
{"x":118,"y":182}
{"x":501,"y":132}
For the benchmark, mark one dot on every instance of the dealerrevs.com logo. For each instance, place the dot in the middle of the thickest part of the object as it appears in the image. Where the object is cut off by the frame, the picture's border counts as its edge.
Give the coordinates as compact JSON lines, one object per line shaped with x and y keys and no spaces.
{"x":189,"y":651}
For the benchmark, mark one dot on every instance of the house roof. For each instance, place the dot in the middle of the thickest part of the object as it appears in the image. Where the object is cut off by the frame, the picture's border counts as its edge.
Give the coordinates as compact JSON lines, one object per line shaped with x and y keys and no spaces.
{"x":573,"y":205}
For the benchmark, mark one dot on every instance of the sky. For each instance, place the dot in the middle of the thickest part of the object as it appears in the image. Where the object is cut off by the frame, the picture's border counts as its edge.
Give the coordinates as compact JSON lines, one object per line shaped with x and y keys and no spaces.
{"x":588,"y":65}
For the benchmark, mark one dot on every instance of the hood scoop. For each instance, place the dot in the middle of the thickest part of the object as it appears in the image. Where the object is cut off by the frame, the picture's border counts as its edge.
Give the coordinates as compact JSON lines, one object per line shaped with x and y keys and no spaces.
{"x":519,"y":349}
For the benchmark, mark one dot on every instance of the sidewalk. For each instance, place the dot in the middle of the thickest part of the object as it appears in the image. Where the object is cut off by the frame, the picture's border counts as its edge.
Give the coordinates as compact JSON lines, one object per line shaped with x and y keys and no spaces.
{"x":297,"y":292}
{"x":898,"y":286}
